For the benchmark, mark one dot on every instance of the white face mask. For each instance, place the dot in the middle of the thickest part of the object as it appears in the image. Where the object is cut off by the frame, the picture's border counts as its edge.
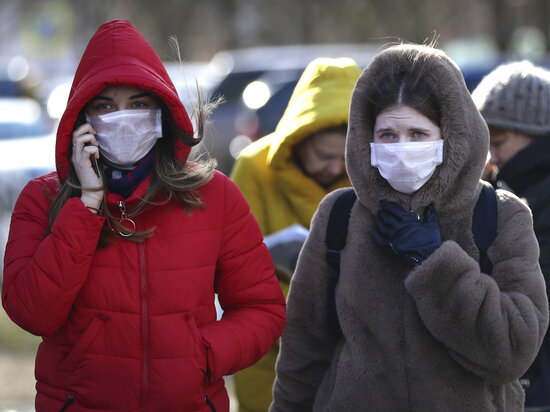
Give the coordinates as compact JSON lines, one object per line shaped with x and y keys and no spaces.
{"x":407,"y":166}
{"x":126,"y":136}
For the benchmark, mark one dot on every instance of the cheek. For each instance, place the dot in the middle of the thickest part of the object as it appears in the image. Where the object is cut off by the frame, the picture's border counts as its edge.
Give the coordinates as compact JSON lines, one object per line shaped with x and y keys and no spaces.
{"x":320,"y":166}
{"x":309,"y":163}
{"x":312,"y":168}
{"x":505,"y":155}
{"x":505,"y":151}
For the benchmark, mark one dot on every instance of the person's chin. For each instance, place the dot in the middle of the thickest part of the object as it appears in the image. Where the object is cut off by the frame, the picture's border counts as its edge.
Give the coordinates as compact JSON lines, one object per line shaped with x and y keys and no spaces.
{"x":326,"y":180}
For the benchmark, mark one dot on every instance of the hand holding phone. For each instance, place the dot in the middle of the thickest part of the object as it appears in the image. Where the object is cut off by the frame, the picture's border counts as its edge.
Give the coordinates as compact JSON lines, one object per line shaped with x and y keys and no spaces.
{"x":93,"y":159}
{"x":85,"y":151}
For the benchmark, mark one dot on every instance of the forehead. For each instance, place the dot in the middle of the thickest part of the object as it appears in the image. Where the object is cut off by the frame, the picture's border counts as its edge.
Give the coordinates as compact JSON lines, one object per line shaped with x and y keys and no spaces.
{"x":121,"y":91}
{"x":498,"y":134}
{"x":328,"y":141}
{"x":403,"y":113}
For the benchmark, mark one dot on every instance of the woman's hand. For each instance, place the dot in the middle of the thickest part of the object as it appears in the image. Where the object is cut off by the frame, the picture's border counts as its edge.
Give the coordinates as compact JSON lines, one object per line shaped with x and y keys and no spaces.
{"x":405,"y":234}
{"x":85,"y":146}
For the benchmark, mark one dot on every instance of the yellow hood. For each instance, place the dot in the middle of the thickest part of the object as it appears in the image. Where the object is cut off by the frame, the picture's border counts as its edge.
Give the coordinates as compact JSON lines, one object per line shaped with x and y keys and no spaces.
{"x":278,"y":191}
{"x":320,"y":100}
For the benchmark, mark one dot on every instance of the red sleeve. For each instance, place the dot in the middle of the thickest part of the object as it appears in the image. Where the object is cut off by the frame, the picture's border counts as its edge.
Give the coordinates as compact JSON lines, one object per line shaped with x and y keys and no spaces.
{"x":43,"y":273}
{"x":248,"y":290}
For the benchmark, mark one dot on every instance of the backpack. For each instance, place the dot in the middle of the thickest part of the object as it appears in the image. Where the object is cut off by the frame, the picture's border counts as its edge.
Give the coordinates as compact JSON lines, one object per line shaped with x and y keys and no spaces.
{"x":484,"y":229}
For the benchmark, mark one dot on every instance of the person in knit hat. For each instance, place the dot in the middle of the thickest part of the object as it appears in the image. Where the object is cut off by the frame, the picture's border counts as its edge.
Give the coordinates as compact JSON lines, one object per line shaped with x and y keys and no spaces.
{"x":514,"y":100}
{"x":285,"y":175}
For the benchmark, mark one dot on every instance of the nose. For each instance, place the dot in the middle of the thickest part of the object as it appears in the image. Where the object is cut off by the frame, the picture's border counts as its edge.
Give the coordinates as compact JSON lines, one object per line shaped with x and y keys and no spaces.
{"x":493,"y":158}
{"x":337,"y":167}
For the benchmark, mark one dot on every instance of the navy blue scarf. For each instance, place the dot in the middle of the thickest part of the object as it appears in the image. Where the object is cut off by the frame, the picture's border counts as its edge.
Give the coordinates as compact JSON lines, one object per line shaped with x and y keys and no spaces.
{"x":124,"y":182}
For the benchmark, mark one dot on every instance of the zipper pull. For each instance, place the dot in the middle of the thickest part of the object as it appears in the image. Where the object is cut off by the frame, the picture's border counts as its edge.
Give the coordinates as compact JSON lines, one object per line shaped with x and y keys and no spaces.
{"x":70,"y":400}
{"x":125,"y":222}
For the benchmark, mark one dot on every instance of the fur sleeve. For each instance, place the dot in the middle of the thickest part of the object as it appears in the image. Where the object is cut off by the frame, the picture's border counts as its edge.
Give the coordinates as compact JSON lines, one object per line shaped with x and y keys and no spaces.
{"x":306,"y":346}
{"x":492,"y":325}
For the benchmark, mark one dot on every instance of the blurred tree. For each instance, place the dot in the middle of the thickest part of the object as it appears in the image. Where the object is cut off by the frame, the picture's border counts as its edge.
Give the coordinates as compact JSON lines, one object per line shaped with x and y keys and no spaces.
{"x":504,"y":23}
{"x":205,"y":27}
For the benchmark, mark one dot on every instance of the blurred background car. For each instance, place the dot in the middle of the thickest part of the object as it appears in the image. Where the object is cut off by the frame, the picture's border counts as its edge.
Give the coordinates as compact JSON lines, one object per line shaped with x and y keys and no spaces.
{"x":27,"y":141}
{"x":187,"y":76}
{"x":255,"y":85}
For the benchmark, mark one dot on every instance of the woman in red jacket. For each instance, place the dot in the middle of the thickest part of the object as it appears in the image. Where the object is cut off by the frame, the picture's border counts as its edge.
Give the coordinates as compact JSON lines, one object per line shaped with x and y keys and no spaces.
{"x":115,"y":259}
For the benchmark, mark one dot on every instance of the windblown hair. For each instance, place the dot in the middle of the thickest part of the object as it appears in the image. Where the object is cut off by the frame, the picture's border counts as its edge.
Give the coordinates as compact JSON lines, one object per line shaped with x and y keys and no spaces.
{"x":170,"y":178}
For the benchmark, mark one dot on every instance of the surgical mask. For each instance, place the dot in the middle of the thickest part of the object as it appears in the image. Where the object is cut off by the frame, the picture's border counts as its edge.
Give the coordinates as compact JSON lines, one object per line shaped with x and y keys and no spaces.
{"x":407,"y":166}
{"x":126,"y":136}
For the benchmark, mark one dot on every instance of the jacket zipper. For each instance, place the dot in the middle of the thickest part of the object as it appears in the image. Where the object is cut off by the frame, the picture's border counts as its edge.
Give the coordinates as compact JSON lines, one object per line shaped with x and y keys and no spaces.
{"x":145,"y":325}
{"x":70,"y":400}
{"x":144,"y":312}
{"x":131,"y":229}
{"x":210,"y":403}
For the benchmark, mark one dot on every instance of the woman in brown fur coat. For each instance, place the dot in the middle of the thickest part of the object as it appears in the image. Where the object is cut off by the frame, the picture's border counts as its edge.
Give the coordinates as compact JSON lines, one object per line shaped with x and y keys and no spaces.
{"x":422,"y":327}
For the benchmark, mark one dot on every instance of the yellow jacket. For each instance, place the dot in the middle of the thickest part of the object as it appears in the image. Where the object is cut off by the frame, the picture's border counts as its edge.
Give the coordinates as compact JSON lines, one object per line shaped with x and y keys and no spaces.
{"x":279,"y":193}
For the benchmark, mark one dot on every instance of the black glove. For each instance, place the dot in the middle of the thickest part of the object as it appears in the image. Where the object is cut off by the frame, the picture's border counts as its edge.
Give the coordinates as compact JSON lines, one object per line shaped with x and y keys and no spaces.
{"x":405,"y":234}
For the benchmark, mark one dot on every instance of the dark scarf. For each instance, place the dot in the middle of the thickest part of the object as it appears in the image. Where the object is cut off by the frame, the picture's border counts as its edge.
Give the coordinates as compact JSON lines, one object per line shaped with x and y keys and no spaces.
{"x":124,"y":182}
{"x":528,"y":167}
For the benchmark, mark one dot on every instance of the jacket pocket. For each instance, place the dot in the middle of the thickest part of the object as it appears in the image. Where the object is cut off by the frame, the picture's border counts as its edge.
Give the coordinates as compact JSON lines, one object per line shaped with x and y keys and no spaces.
{"x":182,"y":369}
{"x":99,"y":370}
{"x":82,"y":345}
{"x":201,"y":350}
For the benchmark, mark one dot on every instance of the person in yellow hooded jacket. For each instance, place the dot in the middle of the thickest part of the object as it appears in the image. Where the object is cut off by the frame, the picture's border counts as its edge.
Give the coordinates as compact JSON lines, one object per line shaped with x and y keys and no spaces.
{"x":285,"y":174}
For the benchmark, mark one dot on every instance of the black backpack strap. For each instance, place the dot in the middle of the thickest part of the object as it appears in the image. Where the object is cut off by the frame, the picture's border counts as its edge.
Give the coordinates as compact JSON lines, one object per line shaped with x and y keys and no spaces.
{"x":484,"y":225}
{"x":336,"y":236}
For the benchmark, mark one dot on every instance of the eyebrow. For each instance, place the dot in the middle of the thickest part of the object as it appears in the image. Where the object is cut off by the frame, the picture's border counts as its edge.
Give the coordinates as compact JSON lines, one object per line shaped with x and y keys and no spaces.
{"x":140,"y":95}
{"x":411,"y":129}
{"x":135,"y":96}
{"x":384,"y":129}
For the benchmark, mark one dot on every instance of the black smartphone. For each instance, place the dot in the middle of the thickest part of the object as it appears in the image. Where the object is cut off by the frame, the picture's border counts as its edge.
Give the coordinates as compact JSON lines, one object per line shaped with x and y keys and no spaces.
{"x":95,"y":166}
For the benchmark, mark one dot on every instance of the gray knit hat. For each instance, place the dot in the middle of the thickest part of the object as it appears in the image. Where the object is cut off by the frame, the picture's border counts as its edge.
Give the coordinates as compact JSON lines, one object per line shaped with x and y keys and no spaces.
{"x":516,"y":96}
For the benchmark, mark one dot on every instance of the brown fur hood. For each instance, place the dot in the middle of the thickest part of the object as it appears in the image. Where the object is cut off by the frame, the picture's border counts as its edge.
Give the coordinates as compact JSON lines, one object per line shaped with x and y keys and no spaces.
{"x":453,"y":186}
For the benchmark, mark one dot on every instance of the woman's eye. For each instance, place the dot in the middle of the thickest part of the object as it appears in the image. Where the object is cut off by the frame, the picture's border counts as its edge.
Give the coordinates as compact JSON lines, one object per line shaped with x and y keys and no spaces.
{"x":102,"y":107}
{"x":139,"y":105}
{"x":418,"y":134}
{"x":387,"y":136}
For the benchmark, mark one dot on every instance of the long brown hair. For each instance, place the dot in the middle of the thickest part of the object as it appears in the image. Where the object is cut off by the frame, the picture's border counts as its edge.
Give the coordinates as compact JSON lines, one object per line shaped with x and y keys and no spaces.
{"x":170,"y":176}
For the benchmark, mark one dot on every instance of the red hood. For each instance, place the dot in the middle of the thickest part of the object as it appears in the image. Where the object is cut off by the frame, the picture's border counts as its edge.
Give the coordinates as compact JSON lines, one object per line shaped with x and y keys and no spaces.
{"x":118,"y":55}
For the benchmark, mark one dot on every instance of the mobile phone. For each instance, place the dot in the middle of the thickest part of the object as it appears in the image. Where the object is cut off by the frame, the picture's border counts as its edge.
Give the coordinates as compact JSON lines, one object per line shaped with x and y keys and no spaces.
{"x":95,"y":166}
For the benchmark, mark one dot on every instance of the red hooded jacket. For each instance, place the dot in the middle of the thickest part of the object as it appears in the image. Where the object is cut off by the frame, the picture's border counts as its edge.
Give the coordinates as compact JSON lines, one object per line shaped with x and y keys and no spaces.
{"x":132,"y":326}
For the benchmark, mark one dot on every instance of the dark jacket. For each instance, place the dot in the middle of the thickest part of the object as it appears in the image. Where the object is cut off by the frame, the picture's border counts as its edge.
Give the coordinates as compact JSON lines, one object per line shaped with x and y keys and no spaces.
{"x":442,"y":336}
{"x":528,"y":175}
